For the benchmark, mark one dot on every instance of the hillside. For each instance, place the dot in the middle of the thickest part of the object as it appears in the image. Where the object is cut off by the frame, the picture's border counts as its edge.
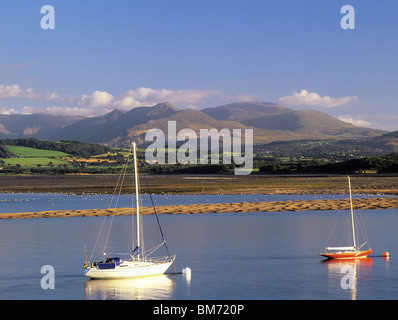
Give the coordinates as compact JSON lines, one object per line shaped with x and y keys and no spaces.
{"x":270,"y":122}
{"x":311,"y":121}
{"x":387,"y":163}
{"x":243,"y":111}
{"x":331,"y":149}
{"x":89,"y":129}
{"x":187,"y":118}
{"x":112,"y":128}
{"x":32,"y":156}
{"x":33,"y":125}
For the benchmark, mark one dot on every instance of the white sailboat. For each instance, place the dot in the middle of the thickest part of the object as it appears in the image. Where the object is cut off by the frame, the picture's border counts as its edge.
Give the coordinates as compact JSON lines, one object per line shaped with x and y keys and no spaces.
{"x":348,"y":252}
{"x":139,"y":264}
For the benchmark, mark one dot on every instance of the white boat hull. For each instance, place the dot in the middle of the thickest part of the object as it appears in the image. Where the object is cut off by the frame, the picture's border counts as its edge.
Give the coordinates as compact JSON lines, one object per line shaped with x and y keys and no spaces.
{"x":130,"y":270}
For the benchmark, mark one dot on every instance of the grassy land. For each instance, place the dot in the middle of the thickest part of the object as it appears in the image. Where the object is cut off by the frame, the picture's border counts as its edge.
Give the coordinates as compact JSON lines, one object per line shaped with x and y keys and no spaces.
{"x":26,"y":152}
{"x":30,"y":157}
{"x":40,"y":157}
{"x":34,"y":162}
{"x":26,"y":158}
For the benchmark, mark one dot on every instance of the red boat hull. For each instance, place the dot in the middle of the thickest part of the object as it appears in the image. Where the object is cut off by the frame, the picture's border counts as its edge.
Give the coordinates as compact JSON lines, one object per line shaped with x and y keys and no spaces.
{"x":346,"y":255}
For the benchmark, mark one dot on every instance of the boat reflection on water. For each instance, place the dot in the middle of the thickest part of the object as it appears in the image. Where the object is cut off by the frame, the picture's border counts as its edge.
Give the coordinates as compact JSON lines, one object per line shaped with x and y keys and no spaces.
{"x":145,"y":288}
{"x":347,"y":273}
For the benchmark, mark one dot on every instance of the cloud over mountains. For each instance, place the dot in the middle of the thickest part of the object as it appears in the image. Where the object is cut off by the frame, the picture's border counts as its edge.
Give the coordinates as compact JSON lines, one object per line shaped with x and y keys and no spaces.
{"x":15,"y":91}
{"x":17,"y":100}
{"x":147,"y":96}
{"x":101,"y":102}
{"x":307,"y":98}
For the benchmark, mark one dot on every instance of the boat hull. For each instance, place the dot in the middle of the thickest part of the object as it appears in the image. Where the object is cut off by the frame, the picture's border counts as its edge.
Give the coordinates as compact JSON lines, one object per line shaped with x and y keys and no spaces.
{"x":131,"y":271}
{"x":346,"y":255}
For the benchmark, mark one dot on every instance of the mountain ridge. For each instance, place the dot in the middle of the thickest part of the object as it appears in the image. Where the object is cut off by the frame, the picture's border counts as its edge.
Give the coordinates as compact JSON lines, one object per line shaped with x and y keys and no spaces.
{"x":270,"y":122}
{"x":241,"y":111}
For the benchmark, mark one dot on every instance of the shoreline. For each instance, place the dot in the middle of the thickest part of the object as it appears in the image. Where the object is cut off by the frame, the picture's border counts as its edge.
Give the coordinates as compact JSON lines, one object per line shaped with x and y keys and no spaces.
{"x":204,"y":184}
{"x":244,"y":207}
{"x":210,"y":184}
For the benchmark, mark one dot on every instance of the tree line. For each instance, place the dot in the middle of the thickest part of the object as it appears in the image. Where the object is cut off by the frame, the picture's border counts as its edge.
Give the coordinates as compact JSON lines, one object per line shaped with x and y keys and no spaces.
{"x":74,"y":148}
{"x":324,"y":149}
{"x":266,"y":164}
{"x":382,"y":164}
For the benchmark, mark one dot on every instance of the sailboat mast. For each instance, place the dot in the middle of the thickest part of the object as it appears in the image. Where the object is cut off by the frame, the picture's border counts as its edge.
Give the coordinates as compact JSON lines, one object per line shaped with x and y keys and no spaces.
{"x":136,"y":199}
{"x":352,"y":212}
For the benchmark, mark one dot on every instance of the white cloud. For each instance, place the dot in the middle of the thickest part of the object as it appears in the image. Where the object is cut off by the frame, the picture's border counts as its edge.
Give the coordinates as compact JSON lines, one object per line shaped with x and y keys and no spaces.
{"x":305,"y":97}
{"x":15,"y":91}
{"x":149,"y":97}
{"x":143,"y":97}
{"x":7,"y":110}
{"x":68,"y":111}
{"x":387,"y":122}
{"x":96,"y":99}
{"x":357,"y":120}
{"x":52,"y":96}
{"x":57,"y":110}
{"x":100,"y":102}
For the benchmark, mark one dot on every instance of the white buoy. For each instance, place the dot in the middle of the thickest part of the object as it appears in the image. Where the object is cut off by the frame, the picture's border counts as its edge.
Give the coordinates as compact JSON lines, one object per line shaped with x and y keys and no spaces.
{"x":186,"y":271}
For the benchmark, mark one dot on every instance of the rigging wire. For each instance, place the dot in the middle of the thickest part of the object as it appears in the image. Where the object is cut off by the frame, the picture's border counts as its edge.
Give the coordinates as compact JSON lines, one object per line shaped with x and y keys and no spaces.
{"x":157,"y":219}
{"x":119,"y":185}
{"x":331,"y":232}
{"x":116,"y":193}
{"x":359,"y":219}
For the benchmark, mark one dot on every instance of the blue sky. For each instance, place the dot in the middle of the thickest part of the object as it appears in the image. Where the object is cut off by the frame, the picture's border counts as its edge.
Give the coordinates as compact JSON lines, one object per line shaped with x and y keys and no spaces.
{"x":105,"y":55}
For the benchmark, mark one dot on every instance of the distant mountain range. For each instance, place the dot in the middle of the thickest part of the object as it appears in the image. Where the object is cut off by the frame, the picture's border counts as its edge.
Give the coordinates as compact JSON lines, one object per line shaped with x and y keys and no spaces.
{"x":271,"y":122}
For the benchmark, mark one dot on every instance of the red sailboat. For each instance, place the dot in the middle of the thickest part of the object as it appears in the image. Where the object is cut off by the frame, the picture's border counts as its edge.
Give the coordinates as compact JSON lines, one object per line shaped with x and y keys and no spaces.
{"x":349,"y":252}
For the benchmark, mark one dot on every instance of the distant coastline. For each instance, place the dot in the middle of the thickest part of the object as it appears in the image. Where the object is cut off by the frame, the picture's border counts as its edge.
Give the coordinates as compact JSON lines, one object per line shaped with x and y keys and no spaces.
{"x":203,"y":184}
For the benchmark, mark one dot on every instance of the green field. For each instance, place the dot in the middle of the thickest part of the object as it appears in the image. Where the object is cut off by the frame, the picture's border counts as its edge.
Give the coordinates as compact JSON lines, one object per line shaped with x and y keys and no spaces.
{"x":34,"y":156}
{"x":26,"y":152}
{"x":30,"y":157}
{"x":34,"y":162}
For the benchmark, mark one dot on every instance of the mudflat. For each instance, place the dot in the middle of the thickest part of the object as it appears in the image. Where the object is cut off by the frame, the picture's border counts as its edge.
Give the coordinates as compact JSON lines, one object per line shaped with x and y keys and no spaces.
{"x":181,"y":184}
{"x":271,"y":206}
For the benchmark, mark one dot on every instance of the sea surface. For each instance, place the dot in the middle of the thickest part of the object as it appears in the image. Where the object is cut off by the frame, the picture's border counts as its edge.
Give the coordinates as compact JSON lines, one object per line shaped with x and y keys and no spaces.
{"x":232,"y":256}
{"x":29,"y":202}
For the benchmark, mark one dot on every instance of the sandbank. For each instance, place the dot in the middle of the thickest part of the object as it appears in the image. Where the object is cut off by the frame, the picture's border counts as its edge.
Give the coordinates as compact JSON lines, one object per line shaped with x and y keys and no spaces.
{"x":269,"y":206}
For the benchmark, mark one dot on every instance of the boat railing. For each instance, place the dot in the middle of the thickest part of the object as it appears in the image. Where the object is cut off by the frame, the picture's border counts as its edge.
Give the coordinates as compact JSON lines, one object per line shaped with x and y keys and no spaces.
{"x":157,"y":260}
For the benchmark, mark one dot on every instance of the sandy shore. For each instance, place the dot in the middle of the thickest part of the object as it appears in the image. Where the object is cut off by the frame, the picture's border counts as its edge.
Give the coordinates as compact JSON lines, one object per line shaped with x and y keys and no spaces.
{"x":272,"y":206}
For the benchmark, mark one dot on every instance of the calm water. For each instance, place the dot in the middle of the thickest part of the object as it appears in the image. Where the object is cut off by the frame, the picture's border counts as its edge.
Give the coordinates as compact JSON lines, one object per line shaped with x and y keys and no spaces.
{"x":27,"y":202}
{"x":232,"y":256}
